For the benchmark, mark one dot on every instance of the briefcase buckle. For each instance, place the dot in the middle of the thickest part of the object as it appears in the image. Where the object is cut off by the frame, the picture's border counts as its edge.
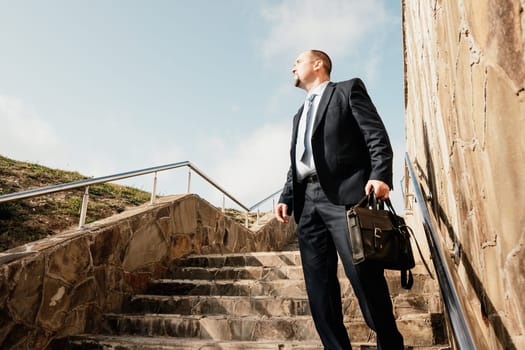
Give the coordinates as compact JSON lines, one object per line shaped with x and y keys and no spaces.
{"x":378,"y":235}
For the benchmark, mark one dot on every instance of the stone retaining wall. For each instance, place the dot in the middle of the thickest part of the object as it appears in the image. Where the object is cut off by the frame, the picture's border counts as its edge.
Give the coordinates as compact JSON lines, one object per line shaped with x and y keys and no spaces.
{"x":465,"y":130}
{"x":63,"y":285}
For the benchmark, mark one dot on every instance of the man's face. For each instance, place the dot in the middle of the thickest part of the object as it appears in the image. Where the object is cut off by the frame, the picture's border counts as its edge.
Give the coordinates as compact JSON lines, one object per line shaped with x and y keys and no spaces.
{"x":303,"y":69}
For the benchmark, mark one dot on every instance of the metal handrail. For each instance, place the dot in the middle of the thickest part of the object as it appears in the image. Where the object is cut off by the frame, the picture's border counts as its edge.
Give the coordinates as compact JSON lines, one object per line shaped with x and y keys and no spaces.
{"x":459,"y":325}
{"x":258,"y":204}
{"x":109,"y":178}
{"x":86,"y":182}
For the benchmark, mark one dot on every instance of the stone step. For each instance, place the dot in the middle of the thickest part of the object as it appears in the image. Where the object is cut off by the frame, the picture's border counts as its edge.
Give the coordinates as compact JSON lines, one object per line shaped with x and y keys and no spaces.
{"x":276,"y":265}
{"x":289,"y":288}
{"x":423,"y":286}
{"x":256,"y":259}
{"x":237,"y":273}
{"x":422,"y":283}
{"x":98,"y":342}
{"x":218,"y":327}
{"x":255,"y":301}
{"x":267,"y":306}
{"x":219,"y":305}
{"x":423,"y":329}
{"x":282,"y":258}
{"x":412,"y":303}
{"x":417,"y":330}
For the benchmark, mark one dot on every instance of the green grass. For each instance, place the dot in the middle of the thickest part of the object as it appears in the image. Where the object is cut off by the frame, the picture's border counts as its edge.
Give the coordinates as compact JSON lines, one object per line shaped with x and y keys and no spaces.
{"x":27,"y":220}
{"x":31,"y":219}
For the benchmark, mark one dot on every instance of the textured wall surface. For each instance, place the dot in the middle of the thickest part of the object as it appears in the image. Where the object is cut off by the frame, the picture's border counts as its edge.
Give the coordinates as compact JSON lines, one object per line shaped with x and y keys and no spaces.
{"x":465,"y":127}
{"x":63,"y":285}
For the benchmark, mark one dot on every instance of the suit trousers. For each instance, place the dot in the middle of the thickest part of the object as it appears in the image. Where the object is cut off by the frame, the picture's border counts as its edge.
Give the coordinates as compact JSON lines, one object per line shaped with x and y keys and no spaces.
{"x":323,"y":234}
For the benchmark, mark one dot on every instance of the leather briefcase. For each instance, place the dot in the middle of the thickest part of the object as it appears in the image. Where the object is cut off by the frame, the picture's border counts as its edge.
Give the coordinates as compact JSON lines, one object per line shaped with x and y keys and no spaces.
{"x":380,"y":236}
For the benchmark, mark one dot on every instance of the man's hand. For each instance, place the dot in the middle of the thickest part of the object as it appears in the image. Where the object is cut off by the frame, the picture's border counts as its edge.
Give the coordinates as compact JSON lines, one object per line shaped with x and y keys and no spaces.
{"x":281,"y":213}
{"x":381,"y":189}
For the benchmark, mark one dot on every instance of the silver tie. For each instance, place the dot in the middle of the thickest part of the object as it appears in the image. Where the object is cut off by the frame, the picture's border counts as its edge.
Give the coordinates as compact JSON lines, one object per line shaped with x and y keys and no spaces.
{"x":305,"y":150}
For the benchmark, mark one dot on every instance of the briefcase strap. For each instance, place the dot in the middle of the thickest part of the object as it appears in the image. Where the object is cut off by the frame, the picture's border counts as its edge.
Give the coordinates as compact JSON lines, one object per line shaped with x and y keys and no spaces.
{"x":391,"y":208}
{"x":419,"y":251}
{"x":407,"y":280}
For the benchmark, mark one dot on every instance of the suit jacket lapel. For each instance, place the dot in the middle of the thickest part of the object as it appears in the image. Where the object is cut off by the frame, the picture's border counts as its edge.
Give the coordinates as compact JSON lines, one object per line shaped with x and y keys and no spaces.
{"x":323,"y":104}
{"x":296,"y":120}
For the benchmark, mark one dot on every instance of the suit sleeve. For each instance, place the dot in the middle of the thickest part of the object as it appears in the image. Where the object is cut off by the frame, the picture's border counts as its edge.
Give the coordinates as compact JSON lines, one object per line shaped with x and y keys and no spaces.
{"x":287,"y":194}
{"x":374,"y":133}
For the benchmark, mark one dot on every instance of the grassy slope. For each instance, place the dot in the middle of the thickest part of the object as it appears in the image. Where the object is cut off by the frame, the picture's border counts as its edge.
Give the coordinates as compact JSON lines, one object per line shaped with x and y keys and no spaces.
{"x":31,"y":219}
{"x":28,"y":220}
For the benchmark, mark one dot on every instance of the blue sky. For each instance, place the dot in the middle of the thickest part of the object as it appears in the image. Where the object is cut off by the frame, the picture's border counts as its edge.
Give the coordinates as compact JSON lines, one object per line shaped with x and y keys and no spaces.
{"x":102,"y":87}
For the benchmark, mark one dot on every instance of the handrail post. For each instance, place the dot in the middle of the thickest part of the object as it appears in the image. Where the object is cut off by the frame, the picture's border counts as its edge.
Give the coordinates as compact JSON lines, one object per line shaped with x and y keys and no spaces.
{"x":273,"y":205}
{"x":83,"y":209}
{"x":257,"y":216}
{"x":154,"y":190}
{"x":189,"y":180}
{"x":223,"y":203}
{"x":247,"y":224}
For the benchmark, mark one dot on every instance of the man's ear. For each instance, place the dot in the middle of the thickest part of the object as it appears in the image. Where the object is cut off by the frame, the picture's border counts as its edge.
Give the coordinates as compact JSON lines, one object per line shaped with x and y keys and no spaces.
{"x":318,"y":64}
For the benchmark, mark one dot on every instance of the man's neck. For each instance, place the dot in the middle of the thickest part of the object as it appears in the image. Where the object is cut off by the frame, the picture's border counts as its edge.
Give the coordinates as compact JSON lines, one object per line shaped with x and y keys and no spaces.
{"x":315,"y":84}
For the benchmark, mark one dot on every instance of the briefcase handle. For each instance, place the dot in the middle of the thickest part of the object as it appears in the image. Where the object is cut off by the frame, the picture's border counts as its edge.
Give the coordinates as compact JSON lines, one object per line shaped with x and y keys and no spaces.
{"x":378,"y":204}
{"x":370,"y":201}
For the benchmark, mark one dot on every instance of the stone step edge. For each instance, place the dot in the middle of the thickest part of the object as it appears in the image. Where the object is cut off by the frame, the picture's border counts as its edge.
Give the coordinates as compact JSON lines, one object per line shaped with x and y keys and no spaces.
{"x":234,"y":268}
{"x":237,"y":267}
{"x":234,"y":255}
{"x":404,"y":318}
{"x":200,"y":317}
{"x":244,"y":281}
{"x":217,"y":281}
{"x":218,"y":297}
{"x":180,"y":343}
{"x":179,"y":340}
{"x":224,"y":281}
{"x":418,"y":271}
{"x":161,"y":297}
{"x":226,"y":274}
{"x":190,"y":343}
{"x":295,"y":253}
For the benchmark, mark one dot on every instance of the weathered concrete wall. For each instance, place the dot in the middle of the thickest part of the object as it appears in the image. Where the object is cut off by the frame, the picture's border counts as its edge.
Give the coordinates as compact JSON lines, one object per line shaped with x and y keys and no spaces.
{"x":63,"y":285}
{"x":465,"y":129}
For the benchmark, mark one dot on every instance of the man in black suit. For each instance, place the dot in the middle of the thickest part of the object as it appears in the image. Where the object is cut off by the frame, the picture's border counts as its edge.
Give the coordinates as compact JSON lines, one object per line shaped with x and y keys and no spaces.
{"x":340,"y":150}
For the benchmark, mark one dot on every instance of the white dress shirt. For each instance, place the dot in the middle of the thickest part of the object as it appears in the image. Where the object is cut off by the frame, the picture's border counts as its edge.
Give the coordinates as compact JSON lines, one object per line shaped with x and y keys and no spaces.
{"x":306,"y":167}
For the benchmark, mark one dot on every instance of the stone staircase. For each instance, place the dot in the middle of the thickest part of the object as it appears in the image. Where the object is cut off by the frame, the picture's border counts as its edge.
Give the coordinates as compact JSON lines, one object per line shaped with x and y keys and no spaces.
{"x":253,"y":301}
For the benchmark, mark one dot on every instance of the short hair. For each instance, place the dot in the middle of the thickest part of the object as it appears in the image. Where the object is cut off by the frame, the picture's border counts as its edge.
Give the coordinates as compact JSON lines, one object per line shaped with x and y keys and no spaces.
{"x":327,"y":62}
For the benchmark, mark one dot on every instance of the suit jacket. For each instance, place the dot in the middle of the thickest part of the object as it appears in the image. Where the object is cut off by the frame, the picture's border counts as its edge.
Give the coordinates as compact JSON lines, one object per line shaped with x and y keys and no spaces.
{"x":350,"y":145}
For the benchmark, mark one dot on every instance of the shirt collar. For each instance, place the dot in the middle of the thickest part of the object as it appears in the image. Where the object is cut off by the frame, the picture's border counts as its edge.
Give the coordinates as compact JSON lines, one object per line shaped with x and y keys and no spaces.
{"x":319,"y":89}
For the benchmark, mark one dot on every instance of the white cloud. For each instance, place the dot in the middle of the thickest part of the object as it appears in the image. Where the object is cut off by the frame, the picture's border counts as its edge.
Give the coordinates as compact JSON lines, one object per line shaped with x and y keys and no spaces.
{"x":374,"y":59}
{"x":235,"y":108}
{"x":335,"y":26}
{"x":141,"y":153}
{"x":24,"y":135}
{"x":257,"y":165}
{"x":284,"y":97}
